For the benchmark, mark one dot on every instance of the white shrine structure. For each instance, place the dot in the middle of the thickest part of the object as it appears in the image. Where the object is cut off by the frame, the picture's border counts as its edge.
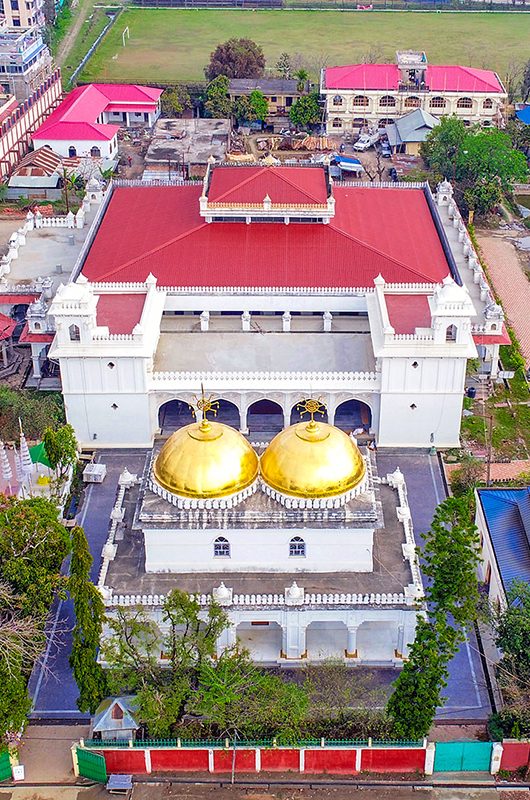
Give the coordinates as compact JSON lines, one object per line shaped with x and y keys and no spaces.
{"x":270,"y":284}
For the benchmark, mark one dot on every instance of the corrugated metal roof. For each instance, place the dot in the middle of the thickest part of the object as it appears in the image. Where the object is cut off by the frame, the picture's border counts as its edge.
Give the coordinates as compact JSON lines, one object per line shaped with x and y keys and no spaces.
{"x":507,"y":514}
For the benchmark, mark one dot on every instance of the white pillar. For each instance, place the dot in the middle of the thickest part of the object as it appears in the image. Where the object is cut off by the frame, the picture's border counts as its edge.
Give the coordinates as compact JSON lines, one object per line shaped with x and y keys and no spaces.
{"x":243,"y":420}
{"x":400,"y":640}
{"x":429,"y":758}
{"x":293,"y":638}
{"x":351,"y":648}
{"x":286,"y":322}
{"x":496,"y":757}
{"x":205,"y":320}
{"x":328,"y":318}
{"x":286,"y":417}
{"x":245,"y":321}
{"x":35,"y":361}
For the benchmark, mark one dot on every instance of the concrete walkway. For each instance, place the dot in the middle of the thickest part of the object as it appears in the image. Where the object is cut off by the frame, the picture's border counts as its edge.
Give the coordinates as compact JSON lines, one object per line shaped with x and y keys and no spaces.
{"x":510,"y":283}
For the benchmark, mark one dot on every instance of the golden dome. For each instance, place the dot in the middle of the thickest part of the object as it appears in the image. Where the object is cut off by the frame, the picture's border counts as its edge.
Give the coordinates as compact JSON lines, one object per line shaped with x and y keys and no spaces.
{"x":312,"y":459}
{"x":206,"y":460}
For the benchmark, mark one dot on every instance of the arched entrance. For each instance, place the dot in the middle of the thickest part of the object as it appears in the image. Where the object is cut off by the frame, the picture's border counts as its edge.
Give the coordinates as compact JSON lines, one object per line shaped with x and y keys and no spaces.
{"x":352,"y":415}
{"x":264,"y":420}
{"x":263,"y":640}
{"x":173,"y":415}
{"x":227,"y":413}
{"x":295,"y":415}
{"x":376,"y":641}
{"x":18,"y":313}
{"x":326,"y":640}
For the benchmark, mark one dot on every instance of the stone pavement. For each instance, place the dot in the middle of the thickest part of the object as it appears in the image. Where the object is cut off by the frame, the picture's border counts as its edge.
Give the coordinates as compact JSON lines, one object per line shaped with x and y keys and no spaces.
{"x":510,"y":284}
{"x":45,"y":752}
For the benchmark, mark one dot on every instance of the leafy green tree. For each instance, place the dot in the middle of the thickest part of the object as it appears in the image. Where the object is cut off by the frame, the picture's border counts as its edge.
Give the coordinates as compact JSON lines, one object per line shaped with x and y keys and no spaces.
{"x":284,"y":66}
{"x":160,"y":707}
{"x":175,"y":100}
{"x":306,"y":111}
{"x":450,"y":557}
{"x":192,"y":636}
{"x":418,"y":689}
{"x":36,"y":410}
{"x":218,"y":104}
{"x":90,"y":614}
{"x":519,"y":134}
{"x":243,"y":111}
{"x":441,"y":148}
{"x":525,"y":83}
{"x":512,"y":632}
{"x":15,"y":703}
{"x":465,"y":477}
{"x":236,"y":58}
{"x":61,"y":449}
{"x":131,"y":650}
{"x":488,"y":156}
{"x":33,"y":546}
{"x":302,"y":76}
{"x":259,"y":105}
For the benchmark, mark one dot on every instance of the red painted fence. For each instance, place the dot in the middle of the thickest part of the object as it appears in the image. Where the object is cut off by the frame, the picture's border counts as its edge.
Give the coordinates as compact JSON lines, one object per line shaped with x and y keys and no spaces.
{"x":515,"y":755}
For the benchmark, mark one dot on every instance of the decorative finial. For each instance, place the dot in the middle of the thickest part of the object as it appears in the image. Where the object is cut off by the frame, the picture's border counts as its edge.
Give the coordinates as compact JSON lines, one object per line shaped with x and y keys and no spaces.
{"x":311,"y":406}
{"x":205,"y":404}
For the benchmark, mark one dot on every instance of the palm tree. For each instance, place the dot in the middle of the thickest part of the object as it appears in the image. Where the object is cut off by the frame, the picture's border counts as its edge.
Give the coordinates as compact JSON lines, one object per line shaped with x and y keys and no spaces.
{"x":301,"y":76}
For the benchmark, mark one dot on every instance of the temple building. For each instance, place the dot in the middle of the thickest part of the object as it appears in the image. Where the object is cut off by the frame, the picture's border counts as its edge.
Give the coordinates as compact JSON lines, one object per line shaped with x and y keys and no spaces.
{"x":270,"y":284}
{"x":308,"y":550}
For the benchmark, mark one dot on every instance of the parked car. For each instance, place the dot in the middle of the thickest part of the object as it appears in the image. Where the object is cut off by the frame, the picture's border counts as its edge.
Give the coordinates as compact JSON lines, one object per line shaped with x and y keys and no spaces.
{"x":365,"y":141}
{"x":386,"y":150}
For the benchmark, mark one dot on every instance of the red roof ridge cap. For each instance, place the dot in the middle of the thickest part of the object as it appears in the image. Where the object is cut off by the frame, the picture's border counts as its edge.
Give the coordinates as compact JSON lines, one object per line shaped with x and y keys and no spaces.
{"x":243,"y":183}
{"x":380,"y":253}
{"x":285,"y":179}
{"x":151,"y":252}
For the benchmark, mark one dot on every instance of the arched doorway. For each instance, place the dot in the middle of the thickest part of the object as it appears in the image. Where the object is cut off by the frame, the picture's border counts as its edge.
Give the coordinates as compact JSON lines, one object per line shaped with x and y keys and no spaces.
{"x":95,"y":152}
{"x":326,"y":640}
{"x":264,"y":420}
{"x":262,"y":639}
{"x":376,"y":641}
{"x":72,"y":152}
{"x":227,"y":413}
{"x":352,"y":415}
{"x":173,"y":415}
{"x":18,"y":313}
{"x":296,"y":417}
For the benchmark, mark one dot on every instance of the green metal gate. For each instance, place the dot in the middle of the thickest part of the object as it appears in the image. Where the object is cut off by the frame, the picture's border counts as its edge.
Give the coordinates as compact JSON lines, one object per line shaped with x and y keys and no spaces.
{"x":91,"y":765}
{"x":462,"y":756}
{"x":5,"y":766}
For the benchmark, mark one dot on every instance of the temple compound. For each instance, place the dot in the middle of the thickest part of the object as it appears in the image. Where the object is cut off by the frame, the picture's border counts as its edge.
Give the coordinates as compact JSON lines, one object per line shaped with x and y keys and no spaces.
{"x":310,"y":553}
{"x":269,"y":285}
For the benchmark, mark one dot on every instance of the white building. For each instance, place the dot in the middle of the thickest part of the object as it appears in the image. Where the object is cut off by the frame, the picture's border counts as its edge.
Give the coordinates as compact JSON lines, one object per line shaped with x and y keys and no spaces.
{"x":358,"y":95}
{"x":270,"y":284}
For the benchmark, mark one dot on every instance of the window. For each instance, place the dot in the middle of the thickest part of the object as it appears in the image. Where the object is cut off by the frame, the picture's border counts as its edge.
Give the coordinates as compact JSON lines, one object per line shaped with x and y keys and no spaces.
{"x":412,"y":102}
{"x":37,"y":326}
{"x":72,"y":152}
{"x":288,"y":101}
{"x":117,"y":712}
{"x":297,"y":547}
{"x":413,"y":406}
{"x":221,"y":547}
{"x":360,"y":100}
{"x":274,"y":99}
{"x":14,"y":5}
{"x":114,"y":407}
{"x":95,"y":152}
{"x":111,"y":365}
{"x":465,"y":102}
{"x":337,"y":123}
{"x":450,"y":333}
{"x":337,"y":100}
{"x":437,"y":102}
{"x":487,"y":103}
{"x":387,"y":101}
{"x":75,"y":333}
{"x":415,"y":365}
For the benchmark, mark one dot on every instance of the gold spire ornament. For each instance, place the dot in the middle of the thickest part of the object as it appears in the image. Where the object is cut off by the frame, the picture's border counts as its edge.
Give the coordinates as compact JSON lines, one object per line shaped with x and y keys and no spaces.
{"x":204,"y":404}
{"x":311,"y":406}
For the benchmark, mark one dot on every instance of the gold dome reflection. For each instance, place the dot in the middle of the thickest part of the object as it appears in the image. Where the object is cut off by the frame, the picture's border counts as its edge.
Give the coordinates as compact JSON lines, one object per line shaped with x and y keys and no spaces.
{"x":312,"y":459}
{"x":206,"y":460}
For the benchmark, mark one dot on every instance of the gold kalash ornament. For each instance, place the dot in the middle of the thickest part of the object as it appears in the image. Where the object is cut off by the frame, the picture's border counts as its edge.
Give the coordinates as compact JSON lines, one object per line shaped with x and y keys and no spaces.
{"x":206,"y":459}
{"x":312,"y":459}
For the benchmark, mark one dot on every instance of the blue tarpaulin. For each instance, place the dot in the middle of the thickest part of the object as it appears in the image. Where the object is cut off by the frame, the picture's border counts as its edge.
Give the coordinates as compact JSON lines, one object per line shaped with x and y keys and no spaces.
{"x":524,"y":115}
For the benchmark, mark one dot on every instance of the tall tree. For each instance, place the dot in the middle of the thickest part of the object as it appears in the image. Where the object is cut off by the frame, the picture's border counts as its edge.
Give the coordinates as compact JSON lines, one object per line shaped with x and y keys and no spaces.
{"x":302,"y":76}
{"x":236,"y":58}
{"x":191,"y":635}
{"x":90,"y":614}
{"x":283,"y":65}
{"x":218,"y":104}
{"x":15,"y":702}
{"x":441,"y":148}
{"x":306,"y":111}
{"x":37,"y":410}
{"x":61,"y":449}
{"x":525,"y":83}
{"x":132,"y":650}
{"x":259,"y":105}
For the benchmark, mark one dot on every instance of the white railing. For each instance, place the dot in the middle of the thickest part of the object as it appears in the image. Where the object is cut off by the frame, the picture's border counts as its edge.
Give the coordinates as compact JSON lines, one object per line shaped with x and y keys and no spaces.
{"x":351,"y":380}
{"x":269,"y":600}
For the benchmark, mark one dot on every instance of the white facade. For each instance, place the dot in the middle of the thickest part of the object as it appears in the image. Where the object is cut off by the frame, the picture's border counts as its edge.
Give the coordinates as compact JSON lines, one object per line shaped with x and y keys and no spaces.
{"x":100,"y":148}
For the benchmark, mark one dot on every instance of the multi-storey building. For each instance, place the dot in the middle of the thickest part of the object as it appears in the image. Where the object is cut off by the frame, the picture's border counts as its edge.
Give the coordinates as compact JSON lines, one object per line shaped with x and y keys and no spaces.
{"x":25,"y":62}
{"x":360,"y":95}
{"x":23,"y":13}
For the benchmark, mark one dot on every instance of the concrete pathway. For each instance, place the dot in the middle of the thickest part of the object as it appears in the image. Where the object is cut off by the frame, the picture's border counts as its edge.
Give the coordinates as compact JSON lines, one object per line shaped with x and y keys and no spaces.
{"x":510,"y":283}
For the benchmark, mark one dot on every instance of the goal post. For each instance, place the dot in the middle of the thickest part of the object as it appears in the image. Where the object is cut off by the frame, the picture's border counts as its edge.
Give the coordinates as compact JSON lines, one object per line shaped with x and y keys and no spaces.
{"x":125,"y":33}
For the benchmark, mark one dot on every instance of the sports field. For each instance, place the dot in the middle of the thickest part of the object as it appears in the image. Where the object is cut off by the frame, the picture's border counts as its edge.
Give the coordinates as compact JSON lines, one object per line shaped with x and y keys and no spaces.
{"x":171,"y":45}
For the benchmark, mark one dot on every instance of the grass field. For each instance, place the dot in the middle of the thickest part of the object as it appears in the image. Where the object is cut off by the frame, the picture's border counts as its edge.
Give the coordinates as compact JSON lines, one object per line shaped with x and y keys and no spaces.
{"x":170,"y":45}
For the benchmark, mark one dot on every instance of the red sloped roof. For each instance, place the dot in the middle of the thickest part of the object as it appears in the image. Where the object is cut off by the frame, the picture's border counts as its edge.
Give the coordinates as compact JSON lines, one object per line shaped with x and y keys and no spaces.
{"x":76,"y":131}
{"x":27,"y":337}
{"x":493,"y":338}
{"x":17,"y":299}
{"x":7,"y":326}
{"x":452,"y":78}
{"x":282,"y":184}
{"x":159,"y":230}
{"x":119,"y":312}
{"x":407,"y":312}
{"x":128,"y":92}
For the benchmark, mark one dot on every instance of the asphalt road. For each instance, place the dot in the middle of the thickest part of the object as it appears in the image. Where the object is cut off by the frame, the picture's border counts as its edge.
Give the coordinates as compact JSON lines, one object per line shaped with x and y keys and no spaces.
{"x":466,"y":692}
{"x":52,"y":685}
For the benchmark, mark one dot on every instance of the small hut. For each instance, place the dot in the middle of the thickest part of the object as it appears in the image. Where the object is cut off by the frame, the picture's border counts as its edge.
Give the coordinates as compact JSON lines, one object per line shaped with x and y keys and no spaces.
{"x":115,"y":718}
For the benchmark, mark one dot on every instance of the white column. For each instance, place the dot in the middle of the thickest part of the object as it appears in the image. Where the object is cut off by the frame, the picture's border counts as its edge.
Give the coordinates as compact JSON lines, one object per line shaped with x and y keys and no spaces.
{"x":351,"y":649}
{"x":35,"y":353}
{"x":286,"y":417}
{"x":286,"y":322}
{"x":205,"y":320}
{"x":429,"y":758}
{"x":293,"y":637}
{"x":496,"y":758}
{"x":328,"y":318}
{"x":400,"y":640}
{"x":243,"y":420}
{"x":245,"y":321}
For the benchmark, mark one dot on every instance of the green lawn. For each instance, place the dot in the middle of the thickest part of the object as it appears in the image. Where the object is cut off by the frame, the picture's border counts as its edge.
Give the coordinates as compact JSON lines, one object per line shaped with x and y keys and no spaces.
{"x":170,"y":45}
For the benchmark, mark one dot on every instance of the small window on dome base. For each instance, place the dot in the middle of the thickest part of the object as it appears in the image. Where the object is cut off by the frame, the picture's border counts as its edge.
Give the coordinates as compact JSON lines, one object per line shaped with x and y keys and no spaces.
{"x":221,"y":548}
{"x":297,"y":547}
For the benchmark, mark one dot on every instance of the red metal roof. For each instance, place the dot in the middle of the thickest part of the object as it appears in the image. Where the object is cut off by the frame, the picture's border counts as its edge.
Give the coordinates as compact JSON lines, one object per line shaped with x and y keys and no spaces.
{"x":119,"y":312}
{"x":493,"y":338}
{"x":27,"y":337}
{"x":407,"y":312}
{"x":7,"y":326}
{"x":159,"y":229}
{"x":451,"y":78}
{"x":131,"y":107}
{"x":76,"y":117}
{"x":282,"y":184}
{"x":16,"y":299}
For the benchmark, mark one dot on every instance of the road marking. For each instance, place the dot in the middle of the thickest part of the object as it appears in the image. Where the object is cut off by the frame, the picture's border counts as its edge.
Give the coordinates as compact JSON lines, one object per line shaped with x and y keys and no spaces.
{"x":473,"y":673}
{"x":436,"y":493}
